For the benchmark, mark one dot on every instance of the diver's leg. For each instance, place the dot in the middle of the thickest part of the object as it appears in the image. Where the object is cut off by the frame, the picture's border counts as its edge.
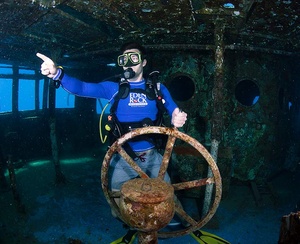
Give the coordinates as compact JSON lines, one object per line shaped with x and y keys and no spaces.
{"x":121,"y":173}
{"x":153,"y":160}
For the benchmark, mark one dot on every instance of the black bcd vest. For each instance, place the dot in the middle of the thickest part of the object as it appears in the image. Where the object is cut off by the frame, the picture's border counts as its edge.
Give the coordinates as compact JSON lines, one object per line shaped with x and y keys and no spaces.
{"x":117,"y":129}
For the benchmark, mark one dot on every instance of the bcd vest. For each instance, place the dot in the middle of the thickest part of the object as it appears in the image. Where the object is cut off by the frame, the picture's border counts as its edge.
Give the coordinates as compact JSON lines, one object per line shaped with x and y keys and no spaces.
{"x":152,"y":91}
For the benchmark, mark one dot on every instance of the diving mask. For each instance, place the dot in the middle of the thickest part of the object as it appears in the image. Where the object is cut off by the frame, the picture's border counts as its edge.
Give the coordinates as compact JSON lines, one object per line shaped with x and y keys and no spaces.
{"x":129,"y":59}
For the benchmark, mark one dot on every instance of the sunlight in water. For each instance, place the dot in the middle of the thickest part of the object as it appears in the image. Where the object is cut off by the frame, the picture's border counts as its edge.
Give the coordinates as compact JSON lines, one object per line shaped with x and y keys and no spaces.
{"x":76,"y":160}
{"x":38,"y":163}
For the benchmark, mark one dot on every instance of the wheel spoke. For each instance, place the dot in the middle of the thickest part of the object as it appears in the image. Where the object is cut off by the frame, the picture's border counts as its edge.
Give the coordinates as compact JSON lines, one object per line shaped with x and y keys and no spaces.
{"x":183,"y":215}
{"x":131,"y":162}
{"x":167,"y":156}
{"x":114,"y":194}
{"x":193,"y":184}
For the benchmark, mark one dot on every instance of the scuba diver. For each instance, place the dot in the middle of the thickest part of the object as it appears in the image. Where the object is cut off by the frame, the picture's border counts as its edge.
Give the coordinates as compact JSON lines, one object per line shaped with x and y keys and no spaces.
{"x":133,"y":106}
{"x":135,"y":102}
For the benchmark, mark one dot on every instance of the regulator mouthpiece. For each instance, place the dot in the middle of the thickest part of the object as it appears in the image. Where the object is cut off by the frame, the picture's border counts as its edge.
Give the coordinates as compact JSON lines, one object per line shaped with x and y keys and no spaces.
{"x":129,"y":73}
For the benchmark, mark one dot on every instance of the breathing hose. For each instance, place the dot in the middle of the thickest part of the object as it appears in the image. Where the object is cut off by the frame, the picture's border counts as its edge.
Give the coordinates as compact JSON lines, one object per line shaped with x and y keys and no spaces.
{"x":103,"y":139}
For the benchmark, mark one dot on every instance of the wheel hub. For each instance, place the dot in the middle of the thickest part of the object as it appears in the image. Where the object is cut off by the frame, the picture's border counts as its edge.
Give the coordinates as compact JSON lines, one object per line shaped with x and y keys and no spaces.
{"x":147,"y":204}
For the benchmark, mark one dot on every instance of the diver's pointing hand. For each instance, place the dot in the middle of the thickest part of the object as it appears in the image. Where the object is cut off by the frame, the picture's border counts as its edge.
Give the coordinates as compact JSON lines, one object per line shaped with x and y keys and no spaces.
{"x":48,"y":67}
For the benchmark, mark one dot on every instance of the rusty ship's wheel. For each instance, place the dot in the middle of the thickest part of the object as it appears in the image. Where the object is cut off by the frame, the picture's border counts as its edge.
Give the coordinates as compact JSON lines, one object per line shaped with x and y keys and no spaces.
{"x":172,"y":134}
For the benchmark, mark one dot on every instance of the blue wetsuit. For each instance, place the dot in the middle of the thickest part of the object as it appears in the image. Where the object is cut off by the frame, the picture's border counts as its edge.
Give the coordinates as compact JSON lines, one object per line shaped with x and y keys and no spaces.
{"x":134,"y":108}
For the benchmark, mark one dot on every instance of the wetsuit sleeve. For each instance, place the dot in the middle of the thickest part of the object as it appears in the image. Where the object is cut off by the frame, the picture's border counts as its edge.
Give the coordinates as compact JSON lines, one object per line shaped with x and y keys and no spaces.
{"x":169,"y":104}
{"x":105,"y":89}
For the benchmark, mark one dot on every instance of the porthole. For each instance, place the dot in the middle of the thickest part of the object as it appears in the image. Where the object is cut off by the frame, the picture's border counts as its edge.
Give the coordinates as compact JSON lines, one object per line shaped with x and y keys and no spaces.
{"x":247,"y":92}
{"x":182,"y":88}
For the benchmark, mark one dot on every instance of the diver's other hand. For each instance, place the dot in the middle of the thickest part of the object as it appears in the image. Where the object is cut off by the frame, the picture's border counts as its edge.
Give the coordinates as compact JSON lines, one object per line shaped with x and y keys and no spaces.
{"x":178,"y":118}
{"x":48,"y":67}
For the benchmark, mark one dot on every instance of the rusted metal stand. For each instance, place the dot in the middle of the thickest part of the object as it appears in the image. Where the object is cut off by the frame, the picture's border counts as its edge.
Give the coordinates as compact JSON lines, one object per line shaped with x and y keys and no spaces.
{"x":11,"y":144}
{"x":290,"y":229}
{"x":13,"y":185}
{"x":60,"y":178}
{"x":217,"y":120}
{"x":147,"y":205}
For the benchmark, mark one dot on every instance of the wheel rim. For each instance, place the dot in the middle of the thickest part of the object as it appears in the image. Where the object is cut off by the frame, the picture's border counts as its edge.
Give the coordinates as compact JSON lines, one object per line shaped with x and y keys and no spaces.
{"x":172,"y":134}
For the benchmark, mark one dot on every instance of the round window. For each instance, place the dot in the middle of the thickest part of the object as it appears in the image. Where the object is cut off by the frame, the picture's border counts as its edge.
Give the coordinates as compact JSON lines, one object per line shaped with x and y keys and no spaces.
{"x":247,"y":92}
{"x":182,"y":88}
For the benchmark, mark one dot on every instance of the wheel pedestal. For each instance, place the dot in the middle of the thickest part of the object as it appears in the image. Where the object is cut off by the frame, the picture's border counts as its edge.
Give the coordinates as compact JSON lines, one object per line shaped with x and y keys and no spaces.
{"x":147,"y":205}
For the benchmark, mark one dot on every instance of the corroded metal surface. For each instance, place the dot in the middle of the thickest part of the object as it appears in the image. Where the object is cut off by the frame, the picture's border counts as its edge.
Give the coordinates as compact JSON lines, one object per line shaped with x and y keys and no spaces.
{"x":218,"y":100}
{"x":218,"y":90}
{"x":147,"y":190}
{"x":166,"y":157}
{"x":147,"y":204}
{"x":148,"y":238}
{"x":104,"y":25}
{"x":173,"y":134}
{"x":193,"y":183}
